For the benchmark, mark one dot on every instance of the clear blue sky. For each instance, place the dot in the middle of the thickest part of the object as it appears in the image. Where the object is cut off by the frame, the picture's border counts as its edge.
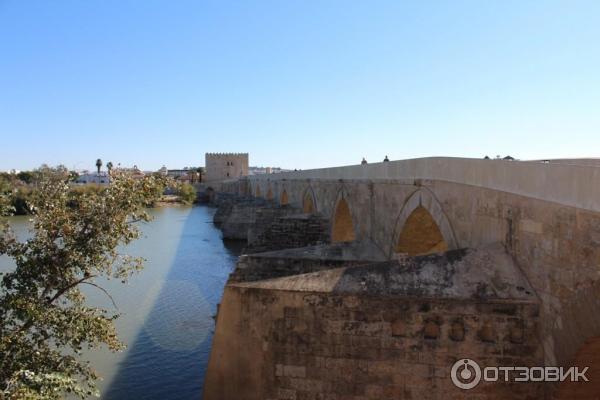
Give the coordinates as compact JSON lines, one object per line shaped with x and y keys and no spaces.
{"x":297,"y":84}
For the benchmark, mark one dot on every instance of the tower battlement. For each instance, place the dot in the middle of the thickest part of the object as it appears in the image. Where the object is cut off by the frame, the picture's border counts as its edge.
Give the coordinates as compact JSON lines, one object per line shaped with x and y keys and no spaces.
{"x":226,"y":154}
{"x":223,"y":166}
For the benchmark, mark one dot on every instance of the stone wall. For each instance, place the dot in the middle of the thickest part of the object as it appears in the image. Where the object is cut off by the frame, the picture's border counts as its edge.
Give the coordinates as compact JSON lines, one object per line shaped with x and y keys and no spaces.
{"x":568,"y":184}
{"x":220,"y":166}
{"x":243,"y":217}
{"x":266,"y":225}
{"x":254,"y":267}
{"x":290,"y":231}
{"x":272,"y":344}
{"x":265,"y":219}
{"x":557,"y":246}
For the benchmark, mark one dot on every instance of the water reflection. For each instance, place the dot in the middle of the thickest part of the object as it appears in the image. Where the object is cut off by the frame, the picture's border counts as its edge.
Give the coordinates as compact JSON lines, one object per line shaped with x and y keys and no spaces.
{"x":168,"y":357}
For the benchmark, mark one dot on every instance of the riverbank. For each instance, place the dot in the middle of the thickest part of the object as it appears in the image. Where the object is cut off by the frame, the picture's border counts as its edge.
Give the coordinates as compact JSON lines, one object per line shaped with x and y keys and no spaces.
{"x":171,"y":200}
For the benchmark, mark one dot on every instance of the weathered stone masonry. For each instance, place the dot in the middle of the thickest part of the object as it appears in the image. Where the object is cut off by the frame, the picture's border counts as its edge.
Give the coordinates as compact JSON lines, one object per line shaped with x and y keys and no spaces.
{"x":545,"y":218}
{"x":377,"y":331}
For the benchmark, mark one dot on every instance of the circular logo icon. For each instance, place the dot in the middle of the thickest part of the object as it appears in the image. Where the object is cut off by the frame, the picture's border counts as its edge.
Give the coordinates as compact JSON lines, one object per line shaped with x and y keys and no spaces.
{"x":465,"y":374}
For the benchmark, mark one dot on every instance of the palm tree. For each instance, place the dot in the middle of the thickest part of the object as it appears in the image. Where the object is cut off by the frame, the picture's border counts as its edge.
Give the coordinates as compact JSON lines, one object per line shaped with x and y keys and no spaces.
{"x":192,"y":174}
{"x":109,"y":166}
{"x":200,"y":171}
{"x":98,"y":164}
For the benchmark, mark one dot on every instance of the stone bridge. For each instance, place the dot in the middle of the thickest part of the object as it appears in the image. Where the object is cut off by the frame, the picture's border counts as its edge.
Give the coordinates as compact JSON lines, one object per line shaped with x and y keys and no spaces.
{"x":544,"y":215}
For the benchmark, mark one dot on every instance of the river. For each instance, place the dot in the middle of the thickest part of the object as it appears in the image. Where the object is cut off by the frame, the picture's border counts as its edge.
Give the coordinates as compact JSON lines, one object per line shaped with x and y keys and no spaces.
{"x":167,"y":309}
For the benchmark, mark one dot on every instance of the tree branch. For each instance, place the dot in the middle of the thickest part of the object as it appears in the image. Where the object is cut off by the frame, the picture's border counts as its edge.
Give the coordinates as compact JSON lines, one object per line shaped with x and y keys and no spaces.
{"x":105,"y":292}
{"x":69,"y":287}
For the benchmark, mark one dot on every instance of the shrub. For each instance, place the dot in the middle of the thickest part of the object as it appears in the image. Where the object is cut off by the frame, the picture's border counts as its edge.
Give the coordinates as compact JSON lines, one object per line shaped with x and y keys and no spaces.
{"x":187,"y":193}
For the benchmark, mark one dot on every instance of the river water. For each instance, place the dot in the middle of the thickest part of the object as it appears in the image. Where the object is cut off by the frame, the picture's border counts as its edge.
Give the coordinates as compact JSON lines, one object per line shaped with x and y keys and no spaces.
{"x":167,"y":309}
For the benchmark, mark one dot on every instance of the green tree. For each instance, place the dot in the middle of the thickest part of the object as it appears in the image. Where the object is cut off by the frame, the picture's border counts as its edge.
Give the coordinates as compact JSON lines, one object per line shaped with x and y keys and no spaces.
{"x":187,"y":193}
{"x":20,"y":198}
{"x":192,"y":174}
{"x":73,"y":175}
{"x":27,"y":177}
{"x":44,"y":319}
{"x":5,"y":197}
{"x":109,"y":166}
{"x":98,"y":164}
{"x":5,"y":184}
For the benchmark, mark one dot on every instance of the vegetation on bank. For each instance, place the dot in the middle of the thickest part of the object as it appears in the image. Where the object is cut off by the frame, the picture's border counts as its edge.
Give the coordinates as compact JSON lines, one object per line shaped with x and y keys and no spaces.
{"x":17,"y":190}
{"x":187,"y":193}
{"x":45,"y":320}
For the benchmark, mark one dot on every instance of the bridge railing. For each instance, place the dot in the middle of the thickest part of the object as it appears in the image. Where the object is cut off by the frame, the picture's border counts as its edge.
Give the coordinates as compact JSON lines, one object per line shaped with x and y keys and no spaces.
{"x":568,"y":184}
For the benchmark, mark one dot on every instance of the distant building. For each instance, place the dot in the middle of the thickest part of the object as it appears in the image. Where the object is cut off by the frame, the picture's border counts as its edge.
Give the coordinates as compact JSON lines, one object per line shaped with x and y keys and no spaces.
{"x":135,"y":172}
{"x":185,"y":175}
{"x":190,"y":178}
{"x":223,"y":166}
{"x":176,"y":173}
{"x":266,"y":170}
{"x":93,"y":178}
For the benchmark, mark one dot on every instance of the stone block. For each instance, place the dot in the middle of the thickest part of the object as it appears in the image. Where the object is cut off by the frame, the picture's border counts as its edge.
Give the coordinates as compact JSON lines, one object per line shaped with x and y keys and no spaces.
{"x":286,"y":394}
{"x":294,"y":371}
{"x":431,"y":330}
{"x":457,"y":331}
{"x":278,"y":370}
{"x":399,"y":328}
{"x":530,"y":226}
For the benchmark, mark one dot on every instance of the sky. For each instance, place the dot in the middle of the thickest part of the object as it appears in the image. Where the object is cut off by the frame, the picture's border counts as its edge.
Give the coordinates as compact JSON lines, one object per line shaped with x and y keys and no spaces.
{"x":297,"y":84}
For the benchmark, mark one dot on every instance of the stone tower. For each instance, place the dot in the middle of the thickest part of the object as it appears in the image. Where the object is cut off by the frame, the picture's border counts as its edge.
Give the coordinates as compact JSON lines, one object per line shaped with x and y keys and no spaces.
{"x":223,"y":166}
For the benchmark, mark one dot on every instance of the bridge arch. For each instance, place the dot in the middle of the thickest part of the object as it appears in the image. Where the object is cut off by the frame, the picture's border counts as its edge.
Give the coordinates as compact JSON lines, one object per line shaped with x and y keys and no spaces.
{"x":283,"y":198}
{"x":269,"y":193}
{"x":257,"y":193}
{"x":422,"y":226}
{"x":309,"y":201}
{"x":342,"y":223}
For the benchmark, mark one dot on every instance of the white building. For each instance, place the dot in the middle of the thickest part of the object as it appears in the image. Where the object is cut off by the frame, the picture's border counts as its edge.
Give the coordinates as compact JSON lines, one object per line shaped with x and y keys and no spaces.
{"x":97,"y":178}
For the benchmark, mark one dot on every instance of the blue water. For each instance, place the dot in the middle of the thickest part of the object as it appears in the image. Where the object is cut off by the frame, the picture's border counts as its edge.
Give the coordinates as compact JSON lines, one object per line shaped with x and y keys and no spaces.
{"x":168,"y":357}
{"x":166,"y":310}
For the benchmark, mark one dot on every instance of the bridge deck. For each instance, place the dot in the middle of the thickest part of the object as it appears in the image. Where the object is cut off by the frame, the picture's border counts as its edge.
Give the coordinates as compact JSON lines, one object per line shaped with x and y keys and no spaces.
{"x":570,"y":184}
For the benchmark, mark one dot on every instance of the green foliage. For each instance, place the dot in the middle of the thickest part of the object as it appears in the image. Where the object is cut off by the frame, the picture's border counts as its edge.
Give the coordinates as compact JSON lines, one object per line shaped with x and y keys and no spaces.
{"x":73,"y":176}
{"x":27,"y":176}
{"x":44,"y":319}
{"x":20,"y":200}
{"x":5,"y":183}
{"x":5,"y":206}
{"x":187,"y":193}
{"x":6,"y":187}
